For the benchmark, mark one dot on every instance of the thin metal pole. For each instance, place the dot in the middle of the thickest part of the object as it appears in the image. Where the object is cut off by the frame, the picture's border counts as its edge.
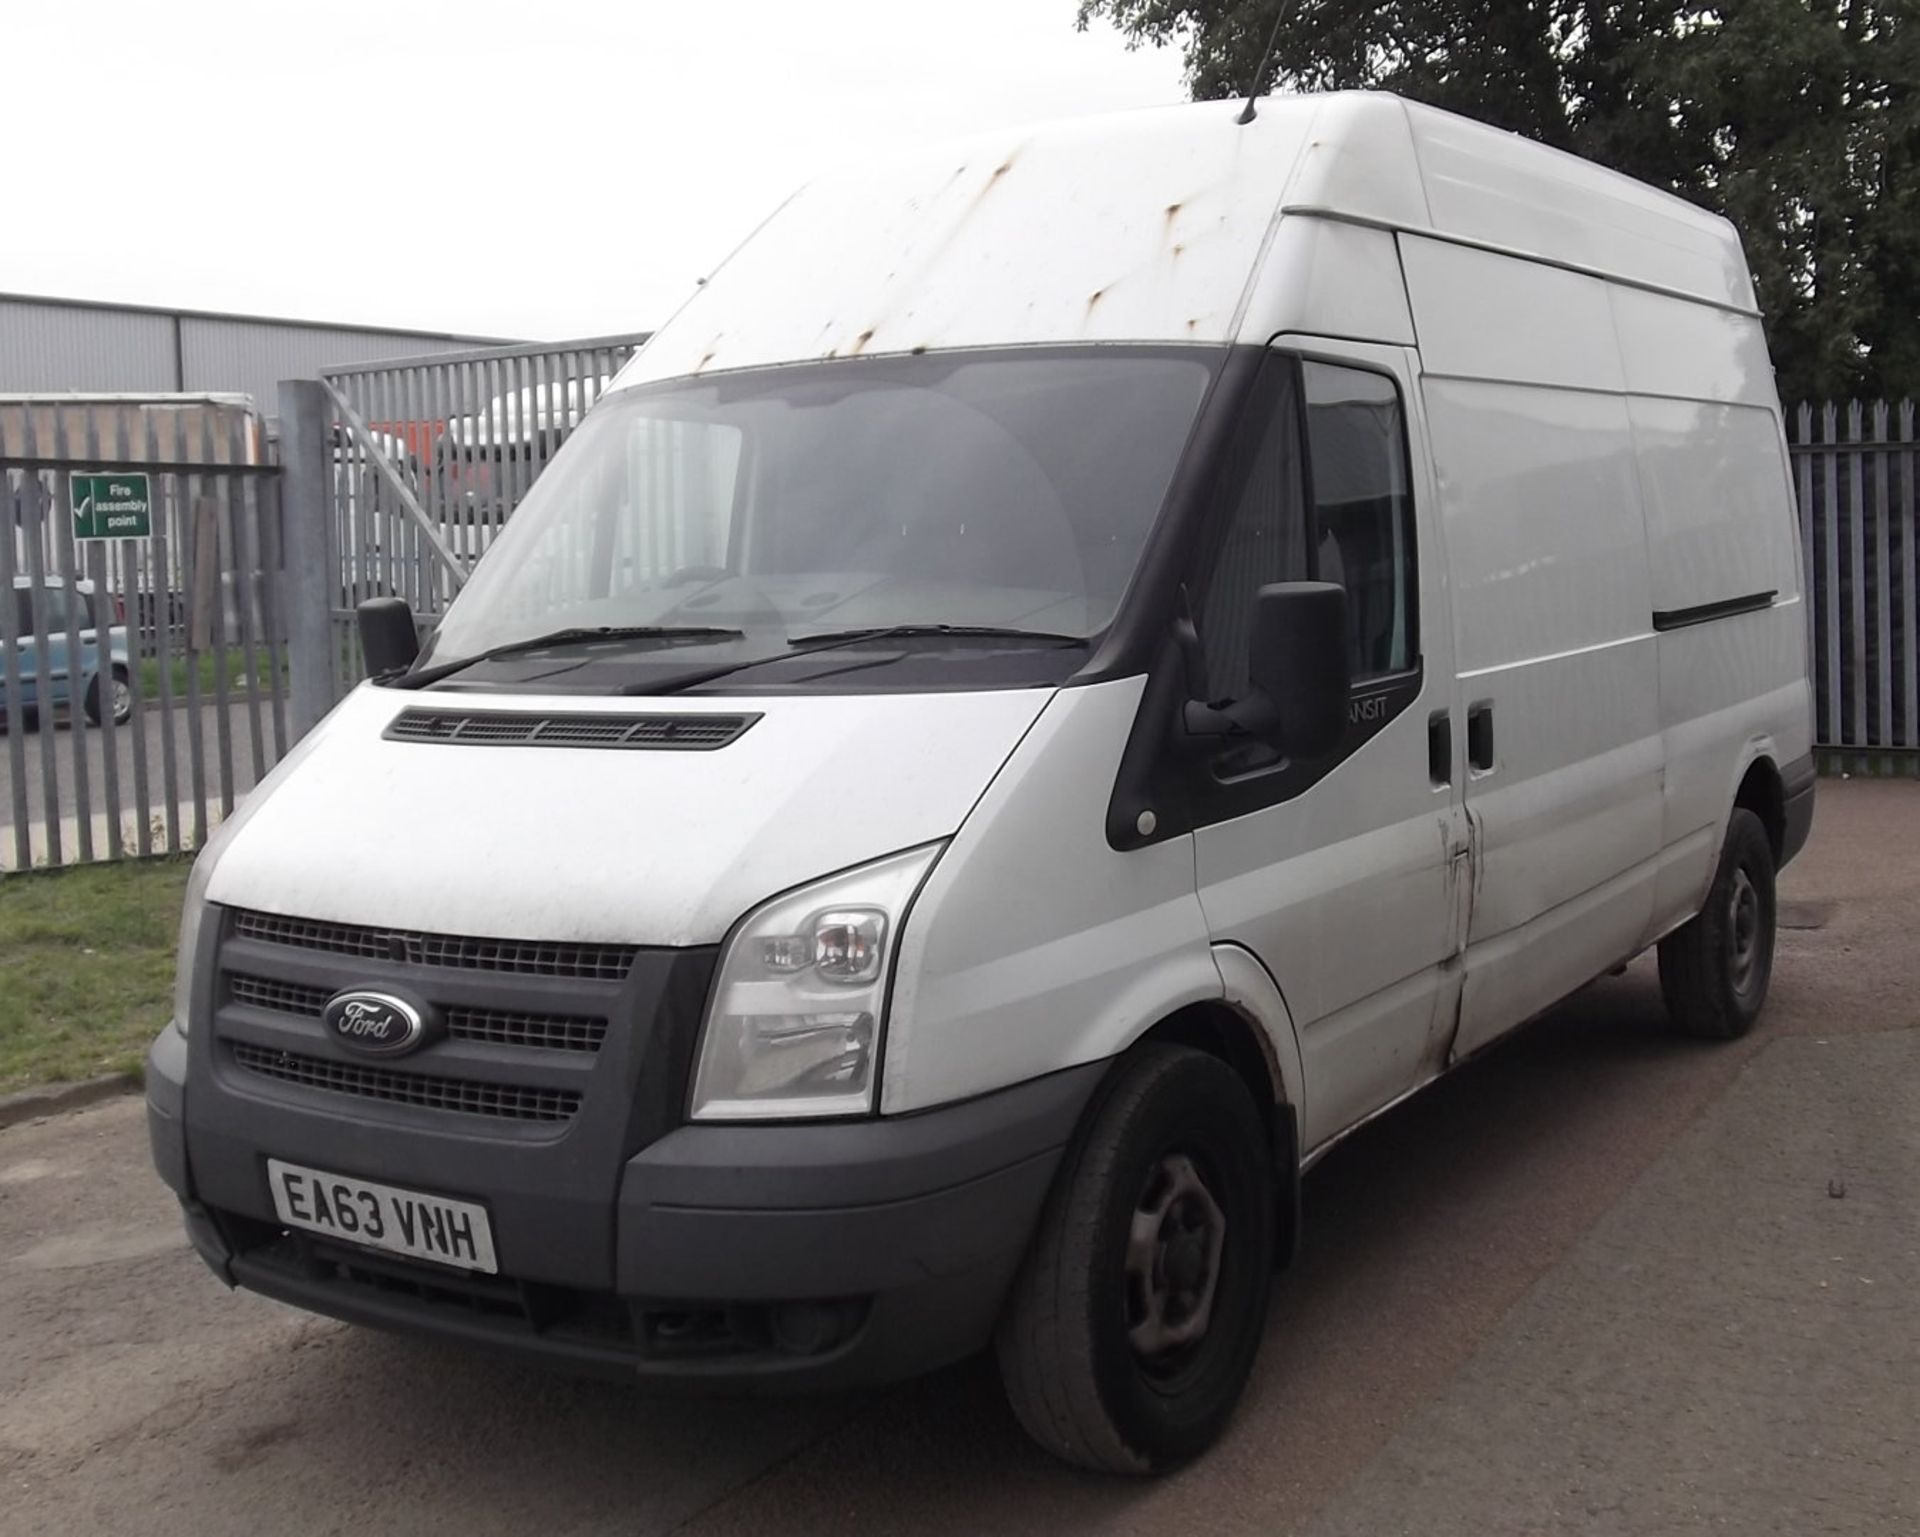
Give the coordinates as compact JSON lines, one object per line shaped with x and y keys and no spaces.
{"x":11,"y":500}
{"x":60,"y":529}
{"x":166,"y":550}
{"x":266,"y":530}
{"x":1830,"y":568}
{"x":1861,"y":684}
{"x":311,"y":569}
{"x":35,"y":523}
{"x":199,"y":629}
{"x":1882,"y":585}
{"x":1910,"y":532}
{"x":100,"y":559}
{"x":121,"y":602}
{"x":238,"y":503}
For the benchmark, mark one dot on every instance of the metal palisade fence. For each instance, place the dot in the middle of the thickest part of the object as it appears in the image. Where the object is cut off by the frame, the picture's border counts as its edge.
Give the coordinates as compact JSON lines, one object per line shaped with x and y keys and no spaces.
{"x":177,"y":608}
{"x":1857,"y":474}
{"x":427,"y":457}
{"x":142,"y":670}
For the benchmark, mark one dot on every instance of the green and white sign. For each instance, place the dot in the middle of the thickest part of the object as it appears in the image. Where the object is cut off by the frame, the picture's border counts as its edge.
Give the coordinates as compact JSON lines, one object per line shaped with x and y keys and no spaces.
{"x":112,"y":507}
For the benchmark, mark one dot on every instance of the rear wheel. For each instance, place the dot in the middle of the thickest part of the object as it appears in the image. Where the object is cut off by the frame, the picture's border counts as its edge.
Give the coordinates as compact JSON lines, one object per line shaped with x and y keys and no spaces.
{"x":1138,"y":1313}
{"x":1714,"y":971}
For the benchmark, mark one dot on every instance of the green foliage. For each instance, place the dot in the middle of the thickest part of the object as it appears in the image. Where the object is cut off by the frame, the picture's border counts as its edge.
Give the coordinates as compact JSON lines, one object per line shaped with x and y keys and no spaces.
{"x":208,"y":676}
{"x":86,"y":967}
{"x":1797,"y":119}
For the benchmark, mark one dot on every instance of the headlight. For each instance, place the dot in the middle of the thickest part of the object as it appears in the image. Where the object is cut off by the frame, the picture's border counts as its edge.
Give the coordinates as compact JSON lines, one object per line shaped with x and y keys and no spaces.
{"x":192,"y":911}
{"x":800,"y":1001}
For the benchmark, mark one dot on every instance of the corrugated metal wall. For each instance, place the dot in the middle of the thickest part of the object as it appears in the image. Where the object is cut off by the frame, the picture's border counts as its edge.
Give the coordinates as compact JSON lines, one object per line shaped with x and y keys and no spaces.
{"x":58,"y":347}
{"x":50,"y":345}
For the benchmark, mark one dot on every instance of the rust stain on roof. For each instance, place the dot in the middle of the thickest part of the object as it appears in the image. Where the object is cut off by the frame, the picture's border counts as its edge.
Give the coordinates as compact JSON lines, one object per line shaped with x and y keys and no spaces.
{"x":860,"y":341}
{"x":992,"y":181}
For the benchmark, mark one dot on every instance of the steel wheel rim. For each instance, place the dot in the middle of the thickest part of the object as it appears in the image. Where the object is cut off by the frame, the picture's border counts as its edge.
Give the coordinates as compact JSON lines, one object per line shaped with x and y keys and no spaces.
{"x":1175,"y":1239}
{"x":122,"y":699}
{"x":1743,"y":933}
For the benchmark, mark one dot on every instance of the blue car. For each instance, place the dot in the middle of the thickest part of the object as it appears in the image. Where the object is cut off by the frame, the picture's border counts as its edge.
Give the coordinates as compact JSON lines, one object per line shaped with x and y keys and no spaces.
{"x":47,"y":605}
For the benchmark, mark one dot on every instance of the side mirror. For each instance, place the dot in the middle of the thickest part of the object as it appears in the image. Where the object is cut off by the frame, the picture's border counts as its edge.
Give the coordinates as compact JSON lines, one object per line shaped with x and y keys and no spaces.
{"x":1299,"y":663}
{"x":1297,"y":701}
{"x":388,"y":636}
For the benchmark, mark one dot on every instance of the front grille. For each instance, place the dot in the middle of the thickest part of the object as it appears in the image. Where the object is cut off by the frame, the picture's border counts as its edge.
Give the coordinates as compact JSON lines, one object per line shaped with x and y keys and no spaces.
{"x":545,"y":958}
{"x":281,"y":997}
{"x":501,"y":1101}
{"x":497,"y":728}
{"x":507,"y":1027}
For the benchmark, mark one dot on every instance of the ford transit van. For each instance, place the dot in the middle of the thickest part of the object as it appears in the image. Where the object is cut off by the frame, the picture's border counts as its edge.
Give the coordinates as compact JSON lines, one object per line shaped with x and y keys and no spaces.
{"x":1078,"y":669}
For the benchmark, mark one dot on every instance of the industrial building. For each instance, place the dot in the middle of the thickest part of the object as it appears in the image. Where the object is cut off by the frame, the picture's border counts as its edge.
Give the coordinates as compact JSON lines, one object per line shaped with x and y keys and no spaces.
{"x":49,"y":344}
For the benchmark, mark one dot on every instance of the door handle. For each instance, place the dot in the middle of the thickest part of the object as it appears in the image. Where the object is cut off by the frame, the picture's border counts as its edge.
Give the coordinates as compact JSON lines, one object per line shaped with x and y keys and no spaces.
{"x":1480,"y":737}
{"x":1440,"y":748}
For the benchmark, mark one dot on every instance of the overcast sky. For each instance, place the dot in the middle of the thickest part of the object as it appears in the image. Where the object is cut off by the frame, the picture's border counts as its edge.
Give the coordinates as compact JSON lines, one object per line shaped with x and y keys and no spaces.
{"x":538,"y":168}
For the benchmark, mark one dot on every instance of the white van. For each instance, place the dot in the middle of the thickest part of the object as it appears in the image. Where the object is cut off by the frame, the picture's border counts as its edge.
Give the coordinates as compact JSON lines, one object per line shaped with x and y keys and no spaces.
{"x":1078,"y":669}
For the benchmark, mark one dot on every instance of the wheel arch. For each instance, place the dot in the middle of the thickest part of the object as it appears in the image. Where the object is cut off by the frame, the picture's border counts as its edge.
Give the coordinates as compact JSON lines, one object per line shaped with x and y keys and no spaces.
{"x":1763,"y":791}
{"x":1249,"y":1027}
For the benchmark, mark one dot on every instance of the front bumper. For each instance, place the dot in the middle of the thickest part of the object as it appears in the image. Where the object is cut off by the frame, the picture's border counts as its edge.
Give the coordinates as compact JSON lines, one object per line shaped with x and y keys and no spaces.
{"x":778,"y":1256}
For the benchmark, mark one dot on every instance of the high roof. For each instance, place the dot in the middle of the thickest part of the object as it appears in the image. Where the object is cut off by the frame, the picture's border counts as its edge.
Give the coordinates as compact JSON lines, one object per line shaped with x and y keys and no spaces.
{"x":1150,"y":226}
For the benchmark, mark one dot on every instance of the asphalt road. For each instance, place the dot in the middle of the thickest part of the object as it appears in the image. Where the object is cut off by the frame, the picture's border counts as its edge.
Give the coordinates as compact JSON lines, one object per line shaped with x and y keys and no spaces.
{"x":148,"y":736}
{"x":1600,"y":1281}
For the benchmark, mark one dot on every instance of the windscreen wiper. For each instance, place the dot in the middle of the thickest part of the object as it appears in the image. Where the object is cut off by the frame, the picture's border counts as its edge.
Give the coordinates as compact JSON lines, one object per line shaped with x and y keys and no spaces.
{"x":890,"y":631}
{"x":574,"y":635}
{"x":834,"y":640}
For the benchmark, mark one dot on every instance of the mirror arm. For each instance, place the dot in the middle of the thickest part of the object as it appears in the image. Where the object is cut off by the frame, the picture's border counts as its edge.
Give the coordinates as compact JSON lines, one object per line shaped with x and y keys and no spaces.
{"x":1251,"y":717}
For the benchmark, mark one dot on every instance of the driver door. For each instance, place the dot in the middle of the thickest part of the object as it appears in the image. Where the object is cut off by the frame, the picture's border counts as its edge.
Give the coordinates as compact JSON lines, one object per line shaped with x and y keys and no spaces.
{"x":1346,"y":876}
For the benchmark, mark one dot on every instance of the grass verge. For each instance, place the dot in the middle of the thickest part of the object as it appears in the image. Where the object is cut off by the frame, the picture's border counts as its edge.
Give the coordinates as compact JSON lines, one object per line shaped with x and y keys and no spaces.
{"x":86,"y":968}
{"x":179,"y":667}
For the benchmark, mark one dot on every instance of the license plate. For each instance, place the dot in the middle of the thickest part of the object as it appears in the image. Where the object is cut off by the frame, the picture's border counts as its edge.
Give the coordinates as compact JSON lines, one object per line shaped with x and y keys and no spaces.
{"x":428,"y":1227}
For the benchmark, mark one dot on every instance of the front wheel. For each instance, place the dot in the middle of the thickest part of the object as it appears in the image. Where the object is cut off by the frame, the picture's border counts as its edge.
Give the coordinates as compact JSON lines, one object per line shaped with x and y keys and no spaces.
{"x":120,"y":692}
{"x":1715,"y":969}
{"x":1136,"y":1318}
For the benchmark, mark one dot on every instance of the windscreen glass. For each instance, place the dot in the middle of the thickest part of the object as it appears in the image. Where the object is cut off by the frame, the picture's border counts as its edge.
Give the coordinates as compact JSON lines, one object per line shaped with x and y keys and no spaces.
{"x":1013,"y":488}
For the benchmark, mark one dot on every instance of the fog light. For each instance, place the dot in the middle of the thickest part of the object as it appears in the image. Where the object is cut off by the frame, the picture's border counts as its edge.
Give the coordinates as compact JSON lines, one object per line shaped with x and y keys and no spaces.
{"x":811,"y":1328}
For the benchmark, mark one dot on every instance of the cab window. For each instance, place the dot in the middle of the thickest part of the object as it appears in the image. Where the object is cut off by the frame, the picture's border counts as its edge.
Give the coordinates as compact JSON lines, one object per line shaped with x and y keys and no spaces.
{"x":1314,"y":488}
{"x":1362,"y":515}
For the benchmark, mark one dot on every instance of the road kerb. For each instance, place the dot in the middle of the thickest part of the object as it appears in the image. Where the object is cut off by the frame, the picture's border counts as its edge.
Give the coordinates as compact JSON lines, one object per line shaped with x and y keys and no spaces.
{"x":55,"y":1099}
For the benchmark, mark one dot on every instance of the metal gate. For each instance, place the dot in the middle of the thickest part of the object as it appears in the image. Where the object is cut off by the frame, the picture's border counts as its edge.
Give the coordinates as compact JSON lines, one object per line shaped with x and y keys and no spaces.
{"x":142,"y":664}
{"x":1855,"y":470}
{"x":428,"y":457}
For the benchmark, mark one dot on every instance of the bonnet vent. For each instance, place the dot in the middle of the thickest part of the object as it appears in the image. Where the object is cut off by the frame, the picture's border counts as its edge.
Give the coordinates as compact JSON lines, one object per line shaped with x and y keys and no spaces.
{"x":507,"y":728}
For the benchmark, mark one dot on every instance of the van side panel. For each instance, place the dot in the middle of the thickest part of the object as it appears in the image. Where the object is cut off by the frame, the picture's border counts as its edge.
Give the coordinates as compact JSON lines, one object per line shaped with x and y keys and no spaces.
{"x":1550,"y":597}
{"x":1691,"y":351}
{"x":1721,"y":528}
{"x":1533,"y":448}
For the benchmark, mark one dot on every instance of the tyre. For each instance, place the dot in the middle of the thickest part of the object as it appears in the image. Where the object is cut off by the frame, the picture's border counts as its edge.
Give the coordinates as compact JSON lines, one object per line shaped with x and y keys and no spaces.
{"x":121,"y":693}
{"x":1714,"y":971}
{"x":1138,"y":1312}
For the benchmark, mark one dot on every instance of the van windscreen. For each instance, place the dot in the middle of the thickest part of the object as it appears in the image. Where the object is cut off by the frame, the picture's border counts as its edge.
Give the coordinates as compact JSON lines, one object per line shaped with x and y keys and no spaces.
{"x":1012,"y":488}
